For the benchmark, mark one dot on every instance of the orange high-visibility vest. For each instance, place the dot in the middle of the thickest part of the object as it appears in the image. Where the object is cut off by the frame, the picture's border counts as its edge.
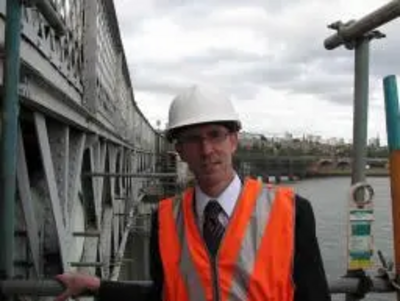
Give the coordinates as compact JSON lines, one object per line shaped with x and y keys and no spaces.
{"x":255,"y":258}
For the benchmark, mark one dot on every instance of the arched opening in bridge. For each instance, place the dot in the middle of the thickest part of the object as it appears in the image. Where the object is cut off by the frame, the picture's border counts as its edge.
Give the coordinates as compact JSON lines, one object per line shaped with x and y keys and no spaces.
{"x":343,"y":165}
{"x":325,"y":165}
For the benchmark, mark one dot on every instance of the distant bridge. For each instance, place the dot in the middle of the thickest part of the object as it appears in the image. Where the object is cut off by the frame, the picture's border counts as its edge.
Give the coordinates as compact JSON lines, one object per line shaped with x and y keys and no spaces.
{"x":296,"y":166}
{"x":346,"y":162}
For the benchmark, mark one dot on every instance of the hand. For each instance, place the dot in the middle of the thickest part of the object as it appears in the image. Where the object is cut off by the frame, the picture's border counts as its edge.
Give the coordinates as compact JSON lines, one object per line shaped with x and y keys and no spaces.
{"x":76,"y":284}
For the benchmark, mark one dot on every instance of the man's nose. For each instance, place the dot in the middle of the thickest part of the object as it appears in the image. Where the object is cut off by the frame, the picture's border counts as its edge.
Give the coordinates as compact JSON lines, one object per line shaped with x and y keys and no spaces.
{"x":205,"y":146}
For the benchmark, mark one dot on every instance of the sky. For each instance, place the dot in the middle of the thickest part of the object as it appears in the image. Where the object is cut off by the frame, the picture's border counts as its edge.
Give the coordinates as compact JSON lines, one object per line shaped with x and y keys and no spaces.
{"x":267,"y":56}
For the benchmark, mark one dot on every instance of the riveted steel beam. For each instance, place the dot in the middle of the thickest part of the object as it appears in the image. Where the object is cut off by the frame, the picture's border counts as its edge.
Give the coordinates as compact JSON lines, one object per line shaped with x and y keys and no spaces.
{"x":24,"y":189}
{"x":48,"y":166}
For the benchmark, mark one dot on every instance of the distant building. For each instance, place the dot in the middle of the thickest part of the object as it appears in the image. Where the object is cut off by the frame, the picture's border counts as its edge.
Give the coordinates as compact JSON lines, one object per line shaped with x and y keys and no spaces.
{"x":313,"y":138}
{"x":375,"y":142}
{"x":333,"y":141}
{"x":288,"y":136}
{"x":247,"y":139}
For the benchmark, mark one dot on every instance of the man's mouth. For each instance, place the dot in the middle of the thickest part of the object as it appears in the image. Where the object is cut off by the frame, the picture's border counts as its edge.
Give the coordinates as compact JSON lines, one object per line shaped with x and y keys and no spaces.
{"x":210,"y":164}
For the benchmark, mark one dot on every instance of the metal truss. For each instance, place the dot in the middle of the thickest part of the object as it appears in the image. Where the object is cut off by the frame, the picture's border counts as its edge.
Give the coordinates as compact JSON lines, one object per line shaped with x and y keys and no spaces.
{"x":69,"y":219}
{"x":79,"y":120}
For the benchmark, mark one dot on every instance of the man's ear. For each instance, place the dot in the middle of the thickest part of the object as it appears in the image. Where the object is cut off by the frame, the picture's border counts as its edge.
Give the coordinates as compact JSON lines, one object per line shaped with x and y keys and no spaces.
{"x":234,"y":137}
{"x":178,"y":149}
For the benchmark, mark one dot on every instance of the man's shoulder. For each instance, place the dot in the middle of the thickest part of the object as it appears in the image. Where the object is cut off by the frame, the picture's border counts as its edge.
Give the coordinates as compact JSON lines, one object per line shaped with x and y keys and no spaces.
{"x":163,"y":202}
{"x":301,"y":201}
{"x":304,"y":209}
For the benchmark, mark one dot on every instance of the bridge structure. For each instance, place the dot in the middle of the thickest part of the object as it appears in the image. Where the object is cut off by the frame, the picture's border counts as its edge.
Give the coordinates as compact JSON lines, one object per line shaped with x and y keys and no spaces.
{"x":264,"y":165}
{"x":88,"y":164}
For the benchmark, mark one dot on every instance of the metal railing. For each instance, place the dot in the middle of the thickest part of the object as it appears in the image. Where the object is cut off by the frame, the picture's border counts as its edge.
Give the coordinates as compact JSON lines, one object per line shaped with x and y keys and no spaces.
{"x":42,"y":288}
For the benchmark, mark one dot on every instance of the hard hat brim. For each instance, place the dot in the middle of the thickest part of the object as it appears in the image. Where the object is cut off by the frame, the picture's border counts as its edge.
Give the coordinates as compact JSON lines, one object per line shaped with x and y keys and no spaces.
{"x":173,"y":133}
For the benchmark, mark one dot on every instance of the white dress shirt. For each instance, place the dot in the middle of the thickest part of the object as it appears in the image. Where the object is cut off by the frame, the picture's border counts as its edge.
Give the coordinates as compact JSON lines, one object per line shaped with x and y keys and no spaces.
{"x":227,"y":199}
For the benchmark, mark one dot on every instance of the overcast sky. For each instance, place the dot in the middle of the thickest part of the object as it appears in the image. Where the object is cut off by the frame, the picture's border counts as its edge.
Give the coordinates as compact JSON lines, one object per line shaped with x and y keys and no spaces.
{"x":267,"y":55}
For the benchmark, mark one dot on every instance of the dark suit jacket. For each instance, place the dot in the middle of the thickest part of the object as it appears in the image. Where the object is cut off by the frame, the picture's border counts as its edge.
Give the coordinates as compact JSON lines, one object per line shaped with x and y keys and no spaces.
{"x":308,"y":274}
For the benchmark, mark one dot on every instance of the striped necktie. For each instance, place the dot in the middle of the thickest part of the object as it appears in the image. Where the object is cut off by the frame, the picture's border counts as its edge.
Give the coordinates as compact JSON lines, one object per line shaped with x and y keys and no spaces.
{"x":213,"y":230}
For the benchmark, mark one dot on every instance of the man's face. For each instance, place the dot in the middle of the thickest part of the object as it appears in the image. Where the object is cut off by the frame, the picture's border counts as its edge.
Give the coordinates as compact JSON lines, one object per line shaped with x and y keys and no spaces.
{"x":208,"y":150}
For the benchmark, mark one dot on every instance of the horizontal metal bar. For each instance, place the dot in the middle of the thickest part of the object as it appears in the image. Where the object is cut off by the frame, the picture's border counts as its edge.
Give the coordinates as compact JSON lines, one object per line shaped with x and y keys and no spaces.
{"x":165,"y":184}
{"x":54,"y":288}
{"x":42,"y":288}
{"x":86,"y":264}
{"x":22,"y":233}
{"x":122,"y":260}
{"x":38,"y":288}
{"x":23,"y":263}
{"x":51,"y":15}
{"x":350,"y":285}
{"x":371,"y":21}
{"x":131,"y":175}
{"x":87,"y":234}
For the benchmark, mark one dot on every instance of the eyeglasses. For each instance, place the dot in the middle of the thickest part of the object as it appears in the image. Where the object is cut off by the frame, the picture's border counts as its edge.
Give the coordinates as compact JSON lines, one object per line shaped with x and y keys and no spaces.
{"x":213,"y":137}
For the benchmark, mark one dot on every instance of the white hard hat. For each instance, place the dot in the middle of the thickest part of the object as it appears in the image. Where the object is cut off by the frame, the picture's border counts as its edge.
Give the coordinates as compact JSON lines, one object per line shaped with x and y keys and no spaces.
{"x":198,"y":105}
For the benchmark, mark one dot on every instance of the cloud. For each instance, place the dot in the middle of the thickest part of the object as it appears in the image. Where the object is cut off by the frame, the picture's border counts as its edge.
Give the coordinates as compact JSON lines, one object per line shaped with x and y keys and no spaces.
{"x":267,"y":53}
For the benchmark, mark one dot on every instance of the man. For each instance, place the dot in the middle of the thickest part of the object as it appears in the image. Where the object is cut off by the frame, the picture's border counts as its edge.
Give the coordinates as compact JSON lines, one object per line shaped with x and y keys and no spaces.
{"x":225,"y":238}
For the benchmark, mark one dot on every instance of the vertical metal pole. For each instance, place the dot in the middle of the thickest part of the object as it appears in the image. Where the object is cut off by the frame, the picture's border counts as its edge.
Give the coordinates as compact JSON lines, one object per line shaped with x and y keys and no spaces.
{"x":360,"y":121}
{"x":393,"y":134}
{"x":360,"y":117}
{"x":9,"y":128}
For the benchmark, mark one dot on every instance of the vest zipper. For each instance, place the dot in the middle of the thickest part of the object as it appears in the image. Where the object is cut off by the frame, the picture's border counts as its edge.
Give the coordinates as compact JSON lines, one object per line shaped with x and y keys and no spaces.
{"x":214,"y":270}
{"x":215,"y":275}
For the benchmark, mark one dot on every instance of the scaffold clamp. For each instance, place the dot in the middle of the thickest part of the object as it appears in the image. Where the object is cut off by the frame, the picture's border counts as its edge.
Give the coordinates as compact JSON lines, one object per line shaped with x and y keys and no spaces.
{"x":386,"y":271}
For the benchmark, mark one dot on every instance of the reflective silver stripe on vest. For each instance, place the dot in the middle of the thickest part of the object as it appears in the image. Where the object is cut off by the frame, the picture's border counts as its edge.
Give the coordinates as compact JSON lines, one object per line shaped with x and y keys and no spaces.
{"x":250,"y":244}
{"x":187,"y":268}
{"x":178,"y":216}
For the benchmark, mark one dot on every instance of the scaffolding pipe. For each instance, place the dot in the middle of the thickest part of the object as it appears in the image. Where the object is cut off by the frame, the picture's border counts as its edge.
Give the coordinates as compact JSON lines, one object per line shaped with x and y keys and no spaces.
{"x":80,"y":264}
{"x":360,"y":119}
{"x":42,"y":288}
{"x":348,"y":33}
{"x":51,"y":15}
{"x":360,"y":114}
{"x":131,"y":175}
{"x":121,"y":250}
{"x":351,"y":286}
{"x":9,"y":131}
{"x":86,"y":234}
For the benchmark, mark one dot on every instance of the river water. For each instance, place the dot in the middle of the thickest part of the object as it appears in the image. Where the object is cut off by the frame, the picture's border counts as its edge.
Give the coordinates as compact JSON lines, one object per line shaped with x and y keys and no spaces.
{"x":329,"y":199}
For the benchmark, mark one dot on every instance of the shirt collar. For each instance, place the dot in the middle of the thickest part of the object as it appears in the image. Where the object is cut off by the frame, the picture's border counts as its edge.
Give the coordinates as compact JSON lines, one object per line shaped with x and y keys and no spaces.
{"x":227,"y":198}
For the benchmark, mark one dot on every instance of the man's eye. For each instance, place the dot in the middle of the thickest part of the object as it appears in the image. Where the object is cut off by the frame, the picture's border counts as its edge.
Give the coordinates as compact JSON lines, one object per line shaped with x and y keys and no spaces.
{"x":191,"y":138}
{"x":215,"y":134}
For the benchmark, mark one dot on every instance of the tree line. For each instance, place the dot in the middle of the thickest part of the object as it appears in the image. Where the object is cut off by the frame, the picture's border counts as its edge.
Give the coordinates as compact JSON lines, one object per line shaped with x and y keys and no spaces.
{"x":298,"y":147}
